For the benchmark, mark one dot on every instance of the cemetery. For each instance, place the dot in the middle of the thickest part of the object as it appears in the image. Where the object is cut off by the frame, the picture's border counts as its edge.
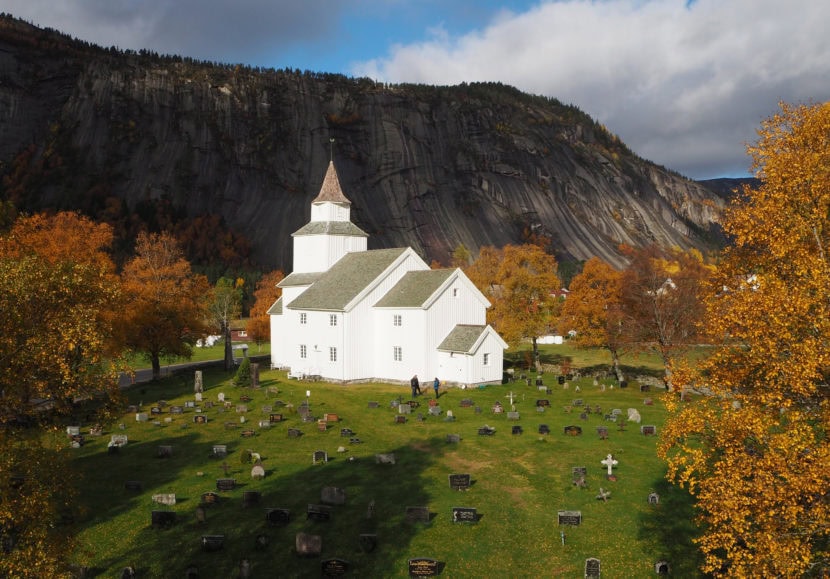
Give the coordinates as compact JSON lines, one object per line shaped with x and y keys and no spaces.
{"x":274,"y":495}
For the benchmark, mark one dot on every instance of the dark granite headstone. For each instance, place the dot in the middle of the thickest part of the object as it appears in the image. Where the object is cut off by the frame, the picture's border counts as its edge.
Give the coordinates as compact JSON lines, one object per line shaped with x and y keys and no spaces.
{"x":278,"y":516}
{"x":602,"y":431}
{"x":569,"y":517}
{"x":163,"y":518}
{"x":319,"y":456}
{"x":648,"y":430}
{"x":211,"y":543}
{"x":333,"y":496}
{"x":544,"y":429}
{"x":308,"y":545}
{"x":225,"y":484}
{"x":573,"y":430}
{"x":318,"y":513}
{"x":210,"y":498}
{"x":423,"y":567}
{"x":417,"y":514}
{"x":543,"y":402}
{"x":133,"y":485}
{"x":250,"y":498}
{"x":334,"y":567}
{"x":200,"y":419}
{"x":294,"y":433}
{"x":592,"y":568}
{"x":464,"y":515}
{"x":516,"y":429}
{"x":164,"y":451}
{"x":460,"y":482}
{"x":368,"y":542}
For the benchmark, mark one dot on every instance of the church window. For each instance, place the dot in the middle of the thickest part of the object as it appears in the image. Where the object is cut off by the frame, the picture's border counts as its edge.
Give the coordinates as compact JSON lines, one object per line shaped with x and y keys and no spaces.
{"x":455,"y":292}
{"x":486,"y":359}
{"x":332,"y":319}
{"x":303,"y":318}
{"x":332,"y":354}
{"x":397,"y":320}
{"x":397,"y":353}
{"x":303,"y":351}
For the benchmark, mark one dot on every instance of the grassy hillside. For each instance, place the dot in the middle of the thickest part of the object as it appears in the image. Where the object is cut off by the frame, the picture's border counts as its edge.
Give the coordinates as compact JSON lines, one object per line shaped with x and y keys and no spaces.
{"x":519,"y":482}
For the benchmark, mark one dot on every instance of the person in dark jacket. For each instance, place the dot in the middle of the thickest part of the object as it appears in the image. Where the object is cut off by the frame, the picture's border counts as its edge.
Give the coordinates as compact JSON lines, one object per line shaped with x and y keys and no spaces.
{"x":436,"y":384}
{"x":416,"y":386}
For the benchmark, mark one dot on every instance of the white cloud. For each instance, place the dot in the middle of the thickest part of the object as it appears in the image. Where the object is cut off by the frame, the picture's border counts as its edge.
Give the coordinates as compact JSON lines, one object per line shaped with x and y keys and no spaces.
{"x":685,"y":86}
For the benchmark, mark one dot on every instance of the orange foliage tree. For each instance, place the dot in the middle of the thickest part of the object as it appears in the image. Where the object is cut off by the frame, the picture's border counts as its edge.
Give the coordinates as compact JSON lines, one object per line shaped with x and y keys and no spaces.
{"x":266,"y":295}
{"x":59,"y":346}
{"x":167,"y":308}
{"x":754,"y":451}
{"x":662,"y":301}
{"x":519,"y":281}
{"x":592,"y":310}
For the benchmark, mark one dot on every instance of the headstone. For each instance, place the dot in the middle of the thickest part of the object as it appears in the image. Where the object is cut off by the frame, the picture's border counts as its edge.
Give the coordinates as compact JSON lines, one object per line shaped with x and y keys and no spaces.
{"x":164,"y":451}
{"x":141,"y":417}
{"x":385,"y":458}
{"x":200,"y":419}
{"x":201,"y":514}
{"x":516,"y":429}
{"x":512,"y":415}
{"x":210,"y":498}
{"x":176,"y":410}
{"x":423,"y":567}
{"x":498,"y":408}
{"x":197,"y":385}
{"x":277,"y":516}
{"x":486,"y":430}
{"x":592,"y":568}
{"x":570,"y":517}
{"x":118,"y":440}
{"x":211,"y":543}
{"x":294,"y":433}
{"x":225,"y":484}
{"x":73,"y":431}
{"x":320,"y":513}
{"x":373,"y":404}
{"x":241,"y":408}
{"x":466,"y":403}
{"x":648,"y":430}
{"x":248,"y":433}
{"x":196,"y":397}
{"x":573,"y":430}
{"x":308,"y":545}
{"x":634,"y":415}
{"x":464,"y":515}
{"x":133,"y":485}
{"x":417,"y":514}
{"x":250,"y":498}
{"x":662,"y":568}
{"x":653,"y":499}
{"x":404,"y":409}
{"x":400,"y":419}
{"x":163,"y":518}
{"x":334,"y":567}
{"x":602,"y":431}
{"x":220,"y":450}
{"x":648,"y":402}
{"x":333,"y":496}
{"x":166,"y":499}
{"x":273,"y":418}
{"x":453,"y":438}
{"x":319,"y":456}
{"x":577,"y":402}
{"x":368,"y":542}
{"x":346,"y":432}
{"x":543,"y":402}
{"x":264,"y":424}
{"x":435,"y":411}
{"x":257,"y":472}
{"x":220,"y":397}
{"x":155,"y":410}
{"x":544,"y":429}
{"x":460,"y":482}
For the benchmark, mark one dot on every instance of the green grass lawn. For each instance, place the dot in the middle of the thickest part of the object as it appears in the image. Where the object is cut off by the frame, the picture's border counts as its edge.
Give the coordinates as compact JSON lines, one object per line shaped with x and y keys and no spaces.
{"x":519,"y":483}
{"x":215,"y":352}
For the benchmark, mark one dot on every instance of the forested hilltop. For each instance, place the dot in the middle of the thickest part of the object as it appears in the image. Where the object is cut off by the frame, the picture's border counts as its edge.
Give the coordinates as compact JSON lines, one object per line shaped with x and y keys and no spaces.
{"x":228,"y":157}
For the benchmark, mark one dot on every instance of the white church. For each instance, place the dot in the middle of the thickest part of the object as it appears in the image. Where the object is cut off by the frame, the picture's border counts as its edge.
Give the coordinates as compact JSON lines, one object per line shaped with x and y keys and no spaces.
{"x":352,"y":314}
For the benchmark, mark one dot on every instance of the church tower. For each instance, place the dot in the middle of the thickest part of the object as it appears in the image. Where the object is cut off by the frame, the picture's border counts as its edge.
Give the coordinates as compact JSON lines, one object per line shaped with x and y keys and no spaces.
{"x":330,"y":234}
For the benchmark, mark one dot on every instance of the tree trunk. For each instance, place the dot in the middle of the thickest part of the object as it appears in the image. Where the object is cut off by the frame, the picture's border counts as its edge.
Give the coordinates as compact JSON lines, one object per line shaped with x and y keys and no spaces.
{"x":226,"y":330}
{"x":615,"y":360}
{"x":154,"y":360}
{"x":536,"y":361}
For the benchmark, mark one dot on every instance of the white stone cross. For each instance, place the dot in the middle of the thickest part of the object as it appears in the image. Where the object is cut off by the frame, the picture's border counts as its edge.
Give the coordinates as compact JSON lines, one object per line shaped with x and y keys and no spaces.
{"x":510,"y":397}
{"x":610,"y":463}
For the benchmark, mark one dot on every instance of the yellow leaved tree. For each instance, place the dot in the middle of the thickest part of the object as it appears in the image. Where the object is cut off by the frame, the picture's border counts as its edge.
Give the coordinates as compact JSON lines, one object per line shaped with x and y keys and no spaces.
{"x":755,"y":451}
{"x":592,"y":311}
{"x":519,"y":281}
{"x":266,"y":294}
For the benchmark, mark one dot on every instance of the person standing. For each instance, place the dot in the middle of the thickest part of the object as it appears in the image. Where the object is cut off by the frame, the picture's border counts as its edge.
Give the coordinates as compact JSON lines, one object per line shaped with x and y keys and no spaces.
{"x":416,"y":387}
{"x":436,"y":384}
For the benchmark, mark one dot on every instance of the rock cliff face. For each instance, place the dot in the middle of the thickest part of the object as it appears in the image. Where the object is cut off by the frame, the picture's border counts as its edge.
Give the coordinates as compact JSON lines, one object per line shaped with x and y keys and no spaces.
{"x":429,"y":167}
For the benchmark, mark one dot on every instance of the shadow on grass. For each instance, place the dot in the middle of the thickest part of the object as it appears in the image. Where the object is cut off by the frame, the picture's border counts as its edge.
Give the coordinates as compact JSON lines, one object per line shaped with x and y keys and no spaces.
{"x":670,"y":528}
{"x":269,"y":549}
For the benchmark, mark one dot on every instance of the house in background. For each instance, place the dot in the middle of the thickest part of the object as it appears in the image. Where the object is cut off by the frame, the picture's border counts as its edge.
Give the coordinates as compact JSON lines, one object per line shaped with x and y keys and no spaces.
{"x":348,"y":313}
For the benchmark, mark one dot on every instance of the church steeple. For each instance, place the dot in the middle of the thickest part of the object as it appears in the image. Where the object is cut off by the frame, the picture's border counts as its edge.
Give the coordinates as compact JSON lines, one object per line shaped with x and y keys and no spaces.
{"x":330,"y":191}
{"x":330,"y":233}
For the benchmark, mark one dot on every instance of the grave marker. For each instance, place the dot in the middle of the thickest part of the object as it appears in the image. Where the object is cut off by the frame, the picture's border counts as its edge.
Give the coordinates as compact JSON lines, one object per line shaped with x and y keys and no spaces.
{"x":210,"y":498}
{"x":294,"y":433}
{"x":573,"y":518}
{"x":334,"y":567}
{"x":257,"y":472}
{"x":163,"y":518}
{"x":166,"y":499}
{"x":543,"y":402}
{"x":212,"y":543}
{"x":220,"y":451}
{"x":373,"y":404}
{"x":333,"y":496}
{"x":274,"y":418}
{"x":250,"y":498}
{"x":225,"y":484}
{"x":516,"y":429}
{"x":277,"y":516}
{"x":423,"y":567}
{"x":417,"y":514}
{"x":592,"y":568}
{"x":460,"y":482}
{"x":573,"y":430}
{"x":176,"y":410}
{"x":368,"y":542}
{"x":319,"y":513}
{"x":648,"y":430}
{"x":486,"y":431}
{"x":319,"y":456}
{"x":385,"y":458}
{"x":453,"y":438}
{"x":200,"y":419}
{"x":544,"y":429}
{"x":464,"y":515}
{"x":308,"y":545}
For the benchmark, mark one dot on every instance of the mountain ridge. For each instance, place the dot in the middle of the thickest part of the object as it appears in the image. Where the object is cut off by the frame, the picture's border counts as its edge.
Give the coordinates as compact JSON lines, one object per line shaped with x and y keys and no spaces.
{"x":143,"y":140}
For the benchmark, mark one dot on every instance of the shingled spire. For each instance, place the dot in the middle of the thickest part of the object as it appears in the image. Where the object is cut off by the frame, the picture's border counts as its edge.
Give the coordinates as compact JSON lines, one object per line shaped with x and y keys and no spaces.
{"x":330,"y":191}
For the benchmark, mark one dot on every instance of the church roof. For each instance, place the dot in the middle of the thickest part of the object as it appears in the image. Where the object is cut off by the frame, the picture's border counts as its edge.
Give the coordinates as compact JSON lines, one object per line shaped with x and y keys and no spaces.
{"x":352,"y":273}
{"x":414,"y":288}
{"x":331,"y":228}
{"x":299,"y":279}
{"x":462,"y":338}
{"x":276,"y":308}
{"x":330,"y":191}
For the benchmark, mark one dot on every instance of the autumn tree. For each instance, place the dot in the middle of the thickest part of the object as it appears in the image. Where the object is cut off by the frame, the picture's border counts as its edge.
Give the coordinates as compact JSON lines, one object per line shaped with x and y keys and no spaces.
{"x":755,"y":451}
{"x":266,"y":295}
{"x":167,"y":303}
{"x":224,"y":307}
{"x":519,"y":281}
{"x":662,"y":301}
{"x":59,"y":347}
{"x":592,"y":310}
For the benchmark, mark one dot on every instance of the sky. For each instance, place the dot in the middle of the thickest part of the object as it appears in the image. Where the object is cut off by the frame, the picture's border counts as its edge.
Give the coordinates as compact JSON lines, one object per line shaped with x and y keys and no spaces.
{"x":684,"y":83}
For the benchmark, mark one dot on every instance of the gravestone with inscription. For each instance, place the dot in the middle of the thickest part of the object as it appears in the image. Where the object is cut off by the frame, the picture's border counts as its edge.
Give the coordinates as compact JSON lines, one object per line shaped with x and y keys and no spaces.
{"x":319,"y":456}
{"x":460,"y":482}
{"x":592,"y":568}
{"x":648,"y":429}
{"x":212,"y":543}
{"x":464,"y":515}
{"x":308,"y":545}
{"x":319,"y":513}
{"x":334,"y":567}
{"x":424,"y":567}
{"x":250,"y":498}
{"x":163,"y":518}
{"x":225,"y":484}
{"x":417,"y":514}
{"x":573,"y":518}
{"x":276,"y":517}
{"x":333,"y":496}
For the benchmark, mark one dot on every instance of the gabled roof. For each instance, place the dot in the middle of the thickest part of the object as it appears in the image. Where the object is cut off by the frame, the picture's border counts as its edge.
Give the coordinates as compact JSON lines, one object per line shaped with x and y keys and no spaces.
{"x":276,"y":308}
{"x":331,"y":228}
{"x":300,"y":279}
{"x":330,"y":191}
{"x":346,"y":279}
{"x":465,"y":338}
{"x":414,"y":288}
